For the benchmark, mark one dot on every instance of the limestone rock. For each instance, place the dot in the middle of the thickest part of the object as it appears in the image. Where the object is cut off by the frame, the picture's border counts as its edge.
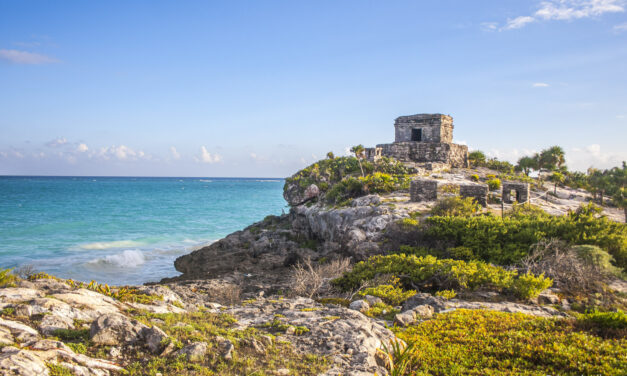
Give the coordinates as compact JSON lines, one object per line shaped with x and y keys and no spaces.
{"x":420,"y":299}
{"x":14,"y":361}
{"x":154,"y":338}
{"x":19,"y":294}
{"x":51,"y":323}
{"x":226,"y":347}
{"x":405,"y":318}
{"x":359,"y":305}
{"x":424,"y":311}
{"x":115,"y":329}
{"x":372,"y":300}
{"x":548,"y":297}
{"x":195,"y":352}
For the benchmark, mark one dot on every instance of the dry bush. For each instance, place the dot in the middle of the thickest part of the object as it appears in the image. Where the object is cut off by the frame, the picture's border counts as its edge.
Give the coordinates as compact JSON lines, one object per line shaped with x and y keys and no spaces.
{"x":557,"y":260}
{"x":25,"y":271}
{"x":309,"y":279}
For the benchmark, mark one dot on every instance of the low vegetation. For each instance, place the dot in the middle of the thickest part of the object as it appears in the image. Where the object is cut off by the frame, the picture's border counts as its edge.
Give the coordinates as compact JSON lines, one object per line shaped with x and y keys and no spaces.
{"x":434,"y":274}
{"x":506,"y":343}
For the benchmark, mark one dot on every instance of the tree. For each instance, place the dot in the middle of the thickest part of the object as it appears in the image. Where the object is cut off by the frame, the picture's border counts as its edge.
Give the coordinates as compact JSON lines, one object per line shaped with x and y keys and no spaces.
{"x":359,"y":154}
{"x":526,"y":164}
{"x":476,"y":158}
{"x":552,"y":158}
{"x":557,"y":178}
{"x":330,"y":155}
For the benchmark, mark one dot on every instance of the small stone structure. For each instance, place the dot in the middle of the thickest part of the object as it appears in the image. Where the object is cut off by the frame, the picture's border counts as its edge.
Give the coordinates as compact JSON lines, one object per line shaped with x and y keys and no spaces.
{"x":425,"y":140}
{"x":426,"y":189}
{"x":423,"y":190}
{"x":520,"y":190}
{"x":477,"y":191}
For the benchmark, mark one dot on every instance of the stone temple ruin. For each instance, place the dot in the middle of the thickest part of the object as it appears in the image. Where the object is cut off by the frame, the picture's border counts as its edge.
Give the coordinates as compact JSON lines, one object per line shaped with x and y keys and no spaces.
{"x":425,"y":141}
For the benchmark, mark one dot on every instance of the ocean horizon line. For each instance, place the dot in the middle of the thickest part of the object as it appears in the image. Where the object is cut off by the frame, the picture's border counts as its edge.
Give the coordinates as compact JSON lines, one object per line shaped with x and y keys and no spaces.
{"x":141,"y":177}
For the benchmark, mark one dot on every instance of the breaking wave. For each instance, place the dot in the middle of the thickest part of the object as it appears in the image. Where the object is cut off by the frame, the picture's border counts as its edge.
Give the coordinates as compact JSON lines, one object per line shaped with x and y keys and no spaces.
{"x":113,"y":244}
{"x":129,"y":258}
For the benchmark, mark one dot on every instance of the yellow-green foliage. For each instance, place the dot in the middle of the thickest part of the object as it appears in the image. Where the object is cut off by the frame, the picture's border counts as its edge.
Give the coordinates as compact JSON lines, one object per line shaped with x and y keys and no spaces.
{"x":446,"y":294}
{"x":506,"y":241}
{"x":377,"y":182}
{"x":434,"y":273}
{"x":494,"y":184}
{"x":528,"y":285}
{"x":58,"y":370}
{"x":479,"y":342}
{"x":123,"y":293}
{"x":335,"y":301}
{"x":390,"y":294}
{"x":382,"y":310}
{"x":7,"y":279}
{"x":455,"y":206}
{"x":474,"y":177}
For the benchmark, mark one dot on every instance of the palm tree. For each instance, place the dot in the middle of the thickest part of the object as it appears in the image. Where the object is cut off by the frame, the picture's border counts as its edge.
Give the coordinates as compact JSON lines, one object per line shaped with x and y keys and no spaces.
{"x":552,"y":158}
{"x":359,"y":154}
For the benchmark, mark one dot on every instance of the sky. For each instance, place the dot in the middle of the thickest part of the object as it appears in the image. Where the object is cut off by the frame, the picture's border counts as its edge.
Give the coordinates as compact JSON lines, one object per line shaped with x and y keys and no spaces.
{"x":264,"y":88}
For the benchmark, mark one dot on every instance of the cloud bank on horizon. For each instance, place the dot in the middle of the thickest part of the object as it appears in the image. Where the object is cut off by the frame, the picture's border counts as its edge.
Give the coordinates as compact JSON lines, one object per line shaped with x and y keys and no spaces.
{"x":266,"y":95}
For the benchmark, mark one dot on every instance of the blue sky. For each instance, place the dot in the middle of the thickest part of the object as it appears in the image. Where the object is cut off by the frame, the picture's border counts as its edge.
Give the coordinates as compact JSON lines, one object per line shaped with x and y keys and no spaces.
{"x":263,"y":88}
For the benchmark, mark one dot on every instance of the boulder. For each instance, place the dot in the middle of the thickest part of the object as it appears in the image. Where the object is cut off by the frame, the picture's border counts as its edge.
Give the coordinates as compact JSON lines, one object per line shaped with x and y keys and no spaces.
{"x":419,"y":299}
{"x":226,"y":347}
{"x":154,"y":338}
{"x":423,"y":311}
{"x":50,"y":323}
{"x":372,"y":300}
{"x":405,"y":318}
{"x":114,"y":329}
{"x":359,"y":305}
{"x":548,"y":297}
{"x":195,"y":352}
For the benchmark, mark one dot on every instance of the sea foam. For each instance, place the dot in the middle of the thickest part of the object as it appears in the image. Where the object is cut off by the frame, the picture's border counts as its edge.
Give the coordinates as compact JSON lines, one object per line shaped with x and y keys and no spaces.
{"x":129,"y":258}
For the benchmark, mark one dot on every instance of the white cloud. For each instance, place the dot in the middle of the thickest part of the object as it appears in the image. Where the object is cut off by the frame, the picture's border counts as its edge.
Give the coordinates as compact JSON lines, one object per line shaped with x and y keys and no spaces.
{"x":207,"y":157}
{"x":568,"y":10}
{"x":81,"y":148}
{"x":174,"y":153}
{"x":575,"y":9}
{"x":620,"y":28}
{"x":25,"y":57}
{"x":593,"y":156}
{"x":540,"y":84}
{"x":518,"y":22}
{"x":620,"y":116}
{"x":489,"y":26}
{"x":57,"y":142}
{"x":122,"y":153}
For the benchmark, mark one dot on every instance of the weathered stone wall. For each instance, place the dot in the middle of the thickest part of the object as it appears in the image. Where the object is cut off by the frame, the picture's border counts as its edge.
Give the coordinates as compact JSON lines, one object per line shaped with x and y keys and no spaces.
{"x":435,"y":127}
{"x":424,"y":152}
{"x":521,"y":192}
{"x":477,"y":191}
{"x":423,"y":190}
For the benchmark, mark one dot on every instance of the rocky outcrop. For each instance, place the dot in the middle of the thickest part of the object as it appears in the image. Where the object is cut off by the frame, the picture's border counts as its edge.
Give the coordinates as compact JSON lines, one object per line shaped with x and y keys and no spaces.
{"x":349,"y":338}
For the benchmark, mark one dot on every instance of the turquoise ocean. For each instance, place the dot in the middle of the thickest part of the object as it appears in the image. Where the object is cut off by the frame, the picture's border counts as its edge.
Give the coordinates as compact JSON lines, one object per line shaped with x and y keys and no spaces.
{"x":123,"y":230}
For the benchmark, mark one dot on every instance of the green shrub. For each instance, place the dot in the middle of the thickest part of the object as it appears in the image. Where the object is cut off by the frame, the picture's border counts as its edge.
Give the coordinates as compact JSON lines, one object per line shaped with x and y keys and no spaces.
{"x":607,"y":324}
{"x":494,"y":184}
{"x":381,"y":310}
{"x":528,"y":286}
{"x":390,"y":294}
{"x":506,"y":241}
{"x":456,"y":206}
{"x":474,"y":177}
{"x":429,"y":272}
